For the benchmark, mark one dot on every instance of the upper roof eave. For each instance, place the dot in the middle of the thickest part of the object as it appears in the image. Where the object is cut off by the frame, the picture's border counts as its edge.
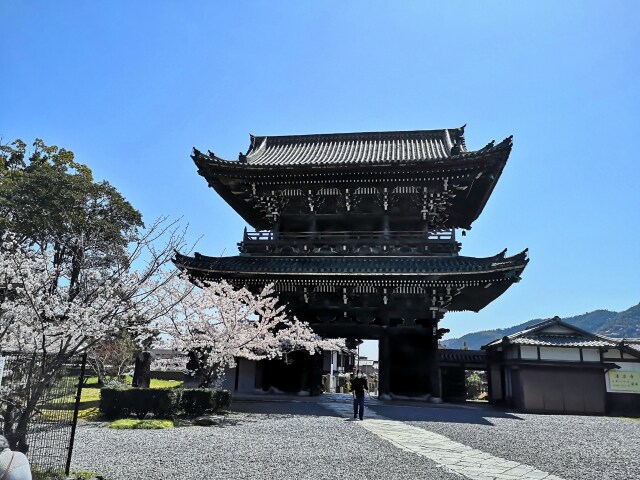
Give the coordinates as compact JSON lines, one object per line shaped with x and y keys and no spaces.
{"x":212,"y":161}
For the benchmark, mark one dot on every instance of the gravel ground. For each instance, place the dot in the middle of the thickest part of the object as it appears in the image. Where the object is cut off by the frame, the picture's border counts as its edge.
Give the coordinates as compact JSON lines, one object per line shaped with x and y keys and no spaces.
{"x":570,"y":446}
{"x":263,"y":441}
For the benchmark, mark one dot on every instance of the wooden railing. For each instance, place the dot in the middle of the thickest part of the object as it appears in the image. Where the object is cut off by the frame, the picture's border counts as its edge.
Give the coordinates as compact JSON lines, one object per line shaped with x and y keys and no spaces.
{"x":354,"y":242}
{"x":349,"y":236}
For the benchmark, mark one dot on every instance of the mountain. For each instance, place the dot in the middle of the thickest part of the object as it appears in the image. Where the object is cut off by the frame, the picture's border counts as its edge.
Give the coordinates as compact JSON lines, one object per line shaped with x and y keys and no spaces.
{"x":625,"y":324}
{"x":605,"y":322}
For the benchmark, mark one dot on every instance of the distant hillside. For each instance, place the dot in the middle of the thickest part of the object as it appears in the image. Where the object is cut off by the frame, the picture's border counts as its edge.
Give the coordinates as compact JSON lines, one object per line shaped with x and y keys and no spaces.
{"x":625,"y":324}
{"x":613,"y":324}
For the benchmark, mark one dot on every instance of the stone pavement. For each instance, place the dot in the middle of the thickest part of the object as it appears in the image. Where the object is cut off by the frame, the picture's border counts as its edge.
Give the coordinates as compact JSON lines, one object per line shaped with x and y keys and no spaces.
{"x":450,"y":455}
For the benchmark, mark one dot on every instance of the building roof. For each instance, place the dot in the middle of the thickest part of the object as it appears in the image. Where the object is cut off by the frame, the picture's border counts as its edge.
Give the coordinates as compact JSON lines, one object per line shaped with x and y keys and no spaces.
{"x":294,"y":165}
{"x":631,"y":343}
{"x":476,"y":282}
{"x":360,"y":147}
{"x":321,"y":265}
{"x":554,"y":332}
{"x":447,"y":355}
{"x":561,"y":341}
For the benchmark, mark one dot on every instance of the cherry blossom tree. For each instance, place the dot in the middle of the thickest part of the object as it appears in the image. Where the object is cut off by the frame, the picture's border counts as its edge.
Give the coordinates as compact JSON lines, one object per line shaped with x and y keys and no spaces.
{"x":112,"y":358}
{"x":214,"y":323}
{"x":51,"y":310}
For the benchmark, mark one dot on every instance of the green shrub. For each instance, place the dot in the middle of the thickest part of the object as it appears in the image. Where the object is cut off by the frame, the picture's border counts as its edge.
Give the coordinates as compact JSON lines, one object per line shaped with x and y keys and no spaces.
{"x":84,"y":475}
{"x":474,"y":385}
{"x":166,"y":402}
{"x":139,"y":402}
{"x":160,"y":402}
{"x":223,"y":398}
{"x":46,"y":473}
{"x":112,"y":403}
{"x":198,"y":401}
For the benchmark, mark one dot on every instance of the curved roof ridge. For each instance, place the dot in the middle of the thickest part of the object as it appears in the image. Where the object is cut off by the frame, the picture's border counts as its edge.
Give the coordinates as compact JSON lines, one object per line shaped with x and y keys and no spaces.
{"x":372,"y":134}
{"x":395,"y":258}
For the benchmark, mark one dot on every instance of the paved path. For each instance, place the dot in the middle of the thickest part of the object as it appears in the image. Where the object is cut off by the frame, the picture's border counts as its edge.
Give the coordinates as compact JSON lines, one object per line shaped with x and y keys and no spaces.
{"x":453,"y":456}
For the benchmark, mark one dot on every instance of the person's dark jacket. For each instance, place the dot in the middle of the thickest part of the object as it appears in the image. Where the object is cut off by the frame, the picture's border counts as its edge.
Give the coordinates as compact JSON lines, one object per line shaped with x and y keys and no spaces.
{"x":358,"y":386}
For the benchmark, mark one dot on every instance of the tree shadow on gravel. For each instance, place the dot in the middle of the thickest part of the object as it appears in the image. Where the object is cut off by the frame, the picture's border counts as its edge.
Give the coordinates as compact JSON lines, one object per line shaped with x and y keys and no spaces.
{"x":478,"y":415}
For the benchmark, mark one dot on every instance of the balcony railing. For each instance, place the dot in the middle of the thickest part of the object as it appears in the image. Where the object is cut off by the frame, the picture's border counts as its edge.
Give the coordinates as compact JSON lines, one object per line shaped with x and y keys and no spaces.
{"x":340,"y":237}
{"x":350,"y":242}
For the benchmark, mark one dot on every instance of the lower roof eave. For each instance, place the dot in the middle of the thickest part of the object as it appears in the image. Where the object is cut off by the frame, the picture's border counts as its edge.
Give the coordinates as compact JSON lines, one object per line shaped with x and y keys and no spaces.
{"x":557,"y":363}
{"x":304,"y":277}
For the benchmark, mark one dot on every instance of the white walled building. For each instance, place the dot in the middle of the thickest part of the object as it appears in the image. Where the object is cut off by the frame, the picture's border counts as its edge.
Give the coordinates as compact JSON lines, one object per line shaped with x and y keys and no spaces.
{"x":556,"y":367}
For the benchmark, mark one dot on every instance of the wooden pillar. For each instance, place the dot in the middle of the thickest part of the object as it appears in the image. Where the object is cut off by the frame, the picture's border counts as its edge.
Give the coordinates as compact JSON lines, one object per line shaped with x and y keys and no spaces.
{"x":313,"y":226}
{"x":385,"y":226}
{"x":384,"y":365}
{"x":433,"y":363}
{"x":316,"y":373}
{"x":304,"y":361}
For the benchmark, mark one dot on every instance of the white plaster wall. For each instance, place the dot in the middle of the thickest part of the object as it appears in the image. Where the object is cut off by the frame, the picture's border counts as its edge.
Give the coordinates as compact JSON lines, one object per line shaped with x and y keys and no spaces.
{"x":247,"y":375}
{"x":628,"y":367}
{"x":590,"y":354}
{"x":558,"y":353}
{"x":511,"y":352}
{"x":528,"y":352}
{"x":612,"y":353}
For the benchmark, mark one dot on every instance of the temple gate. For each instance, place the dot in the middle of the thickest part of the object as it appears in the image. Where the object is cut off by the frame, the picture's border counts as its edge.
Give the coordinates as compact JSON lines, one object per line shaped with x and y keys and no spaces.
{"x":358,"y":233}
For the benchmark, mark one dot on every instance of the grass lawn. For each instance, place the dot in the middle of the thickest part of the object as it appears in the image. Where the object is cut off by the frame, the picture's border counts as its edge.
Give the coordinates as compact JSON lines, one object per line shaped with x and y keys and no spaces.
{"x":90,"y":399}
{"x":131,"y":423}
{"x":155,"y":383}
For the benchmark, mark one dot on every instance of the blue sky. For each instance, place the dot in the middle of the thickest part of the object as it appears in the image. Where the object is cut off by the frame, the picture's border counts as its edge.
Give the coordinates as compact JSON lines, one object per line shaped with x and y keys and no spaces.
{"x":131,"y":87}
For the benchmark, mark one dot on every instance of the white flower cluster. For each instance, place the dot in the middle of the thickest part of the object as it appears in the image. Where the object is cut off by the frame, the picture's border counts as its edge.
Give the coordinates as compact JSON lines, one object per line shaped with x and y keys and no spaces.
{"x":218,"y":323}
{"x":40,"y":308}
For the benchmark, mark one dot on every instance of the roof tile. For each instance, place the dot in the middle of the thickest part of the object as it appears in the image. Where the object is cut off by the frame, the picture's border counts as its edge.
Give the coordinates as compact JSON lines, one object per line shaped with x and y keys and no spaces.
{"x":379,"y":265}
{"x":366,"y":147}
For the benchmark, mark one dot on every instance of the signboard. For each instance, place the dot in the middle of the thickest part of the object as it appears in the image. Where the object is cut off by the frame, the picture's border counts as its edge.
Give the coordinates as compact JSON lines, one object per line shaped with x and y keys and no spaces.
{"x":2,"y":360}
{"x":624,"y":381}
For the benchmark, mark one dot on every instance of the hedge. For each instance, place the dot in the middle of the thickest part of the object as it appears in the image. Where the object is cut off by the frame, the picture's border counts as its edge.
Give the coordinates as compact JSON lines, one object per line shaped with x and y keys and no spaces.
{"x":160,"y":402}
{"x":198,"y":401}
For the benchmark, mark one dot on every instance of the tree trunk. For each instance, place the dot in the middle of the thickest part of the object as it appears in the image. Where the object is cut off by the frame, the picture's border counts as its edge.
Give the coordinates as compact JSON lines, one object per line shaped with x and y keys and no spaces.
{"x":15,"y":429}
{"x":142,"y":370}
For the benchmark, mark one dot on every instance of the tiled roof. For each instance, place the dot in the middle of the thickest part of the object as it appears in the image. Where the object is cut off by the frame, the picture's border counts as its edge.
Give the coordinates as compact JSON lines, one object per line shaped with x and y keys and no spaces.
{"x":462,"y":356}
{"x":351,"y":265}
{"x":562,"y":341}
{"x":366,"y":147}
{"x":537,"y":335}
{"x":634,"y":346}
{"x":632,"y":343}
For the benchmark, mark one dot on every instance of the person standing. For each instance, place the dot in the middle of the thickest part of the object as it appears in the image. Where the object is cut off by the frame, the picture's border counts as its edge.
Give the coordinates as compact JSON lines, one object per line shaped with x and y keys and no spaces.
{"x":358,"y":386}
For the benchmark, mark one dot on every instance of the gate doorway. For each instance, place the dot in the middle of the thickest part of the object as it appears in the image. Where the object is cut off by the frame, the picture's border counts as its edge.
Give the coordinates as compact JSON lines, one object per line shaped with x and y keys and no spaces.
{"x":463,"y":374}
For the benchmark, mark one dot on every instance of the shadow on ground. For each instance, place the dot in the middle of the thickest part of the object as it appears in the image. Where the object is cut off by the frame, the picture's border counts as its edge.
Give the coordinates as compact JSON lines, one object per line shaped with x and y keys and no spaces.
{"x":476,"y":414}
